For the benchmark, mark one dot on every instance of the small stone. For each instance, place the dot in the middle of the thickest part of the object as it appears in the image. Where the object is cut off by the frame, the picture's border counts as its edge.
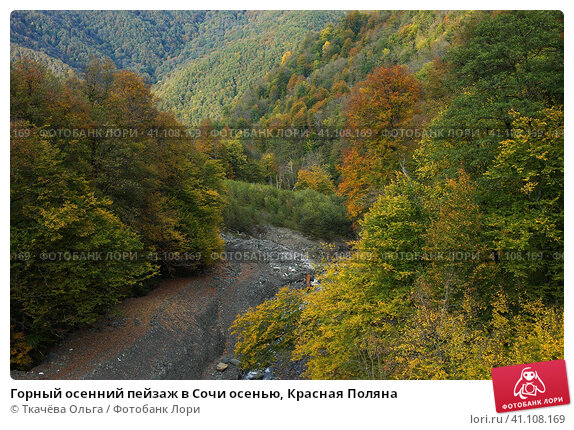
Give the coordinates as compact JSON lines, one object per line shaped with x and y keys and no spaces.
{"x":255,"y":375}
{"x":221,"y":367}
{"x":235,"y":362}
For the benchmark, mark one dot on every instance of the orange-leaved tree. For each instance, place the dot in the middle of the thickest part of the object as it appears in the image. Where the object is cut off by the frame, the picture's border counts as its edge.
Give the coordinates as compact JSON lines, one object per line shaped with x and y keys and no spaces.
{"x":379,"y":109}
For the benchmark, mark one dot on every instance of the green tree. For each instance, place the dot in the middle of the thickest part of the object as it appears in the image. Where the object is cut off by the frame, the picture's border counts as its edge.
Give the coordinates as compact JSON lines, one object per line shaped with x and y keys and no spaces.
{"x":269,"y":330}
{"x":61,"y":238}
{"x":88,"y":193}
{"x":316,"y":178}
{"x":506,"y":61}
{"x":526,"y":215}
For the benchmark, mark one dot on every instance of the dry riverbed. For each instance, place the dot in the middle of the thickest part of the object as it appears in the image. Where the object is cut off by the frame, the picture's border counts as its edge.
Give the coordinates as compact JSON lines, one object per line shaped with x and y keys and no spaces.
{"x":180,"y":330}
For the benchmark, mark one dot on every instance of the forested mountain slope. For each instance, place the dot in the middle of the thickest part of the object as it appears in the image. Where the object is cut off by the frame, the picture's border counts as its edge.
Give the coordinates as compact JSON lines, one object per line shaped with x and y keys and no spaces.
{"x":200,"y":60}
{"x":140,"y":41}
{"x":204,"y":88}
{"x":311,"y":87}
{"x":310,"y":84}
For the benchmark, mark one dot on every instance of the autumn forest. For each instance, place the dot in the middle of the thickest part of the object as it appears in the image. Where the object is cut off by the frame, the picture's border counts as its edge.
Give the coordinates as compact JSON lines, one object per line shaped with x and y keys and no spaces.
{"x":430,"y":142}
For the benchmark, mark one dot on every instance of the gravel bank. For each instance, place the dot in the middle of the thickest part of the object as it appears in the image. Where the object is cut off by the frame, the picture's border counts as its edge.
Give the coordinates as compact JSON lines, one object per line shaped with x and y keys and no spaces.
{"x":181,"y":329}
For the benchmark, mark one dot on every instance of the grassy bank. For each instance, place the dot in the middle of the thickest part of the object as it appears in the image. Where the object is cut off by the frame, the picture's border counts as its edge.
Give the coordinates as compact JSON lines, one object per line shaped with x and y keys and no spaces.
{"x":310,"y":212}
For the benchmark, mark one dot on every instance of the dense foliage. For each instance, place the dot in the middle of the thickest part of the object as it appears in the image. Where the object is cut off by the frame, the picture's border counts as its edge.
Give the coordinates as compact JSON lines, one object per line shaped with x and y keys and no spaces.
{"x":95,"y":215}
{"x":311,"y":87}
{"x":385,"y":100}
{"x":459,"y":263}
{"x":308,"y":211}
